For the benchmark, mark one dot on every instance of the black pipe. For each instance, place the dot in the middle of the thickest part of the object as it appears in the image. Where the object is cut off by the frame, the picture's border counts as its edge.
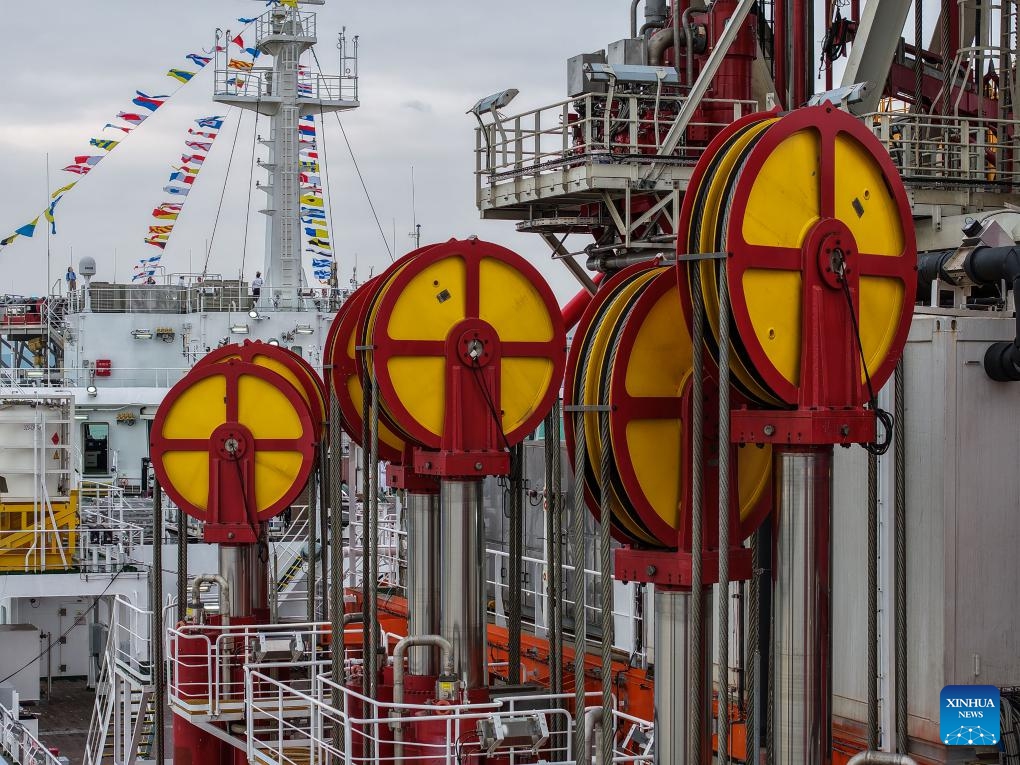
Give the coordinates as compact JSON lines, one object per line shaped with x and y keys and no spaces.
{"x":990,"y":265}
{"x":983,"y":266}
{"x":930,"y":267}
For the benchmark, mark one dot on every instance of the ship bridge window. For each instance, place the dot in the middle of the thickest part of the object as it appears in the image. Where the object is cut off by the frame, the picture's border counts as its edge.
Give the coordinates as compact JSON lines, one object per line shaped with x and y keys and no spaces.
{"x":95,"y":439}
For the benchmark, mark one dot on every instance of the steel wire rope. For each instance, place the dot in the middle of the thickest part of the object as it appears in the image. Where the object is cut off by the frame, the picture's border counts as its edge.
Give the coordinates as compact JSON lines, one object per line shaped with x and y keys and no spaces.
{"x":223,"y":194}
{"x":557,"y":569}
{"x":366,"y":488}
{"x":156,"y":642}
{"x":605,"y":545}
{"x":251,"y":178}
{"x":361,"y":178}
{"x":182,"y":565}
{"x":723,"y":593}
{"x":900,"y":563}
{"x":751,"y":718}
{"x":872,"y":579}
{"x":515,"y":555}
{"x":577,"y":558}
{"x":695,"y":663}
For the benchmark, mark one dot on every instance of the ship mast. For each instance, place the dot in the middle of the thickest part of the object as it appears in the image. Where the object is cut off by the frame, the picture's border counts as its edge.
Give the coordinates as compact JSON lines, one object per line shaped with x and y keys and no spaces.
{"x":284,"y":93}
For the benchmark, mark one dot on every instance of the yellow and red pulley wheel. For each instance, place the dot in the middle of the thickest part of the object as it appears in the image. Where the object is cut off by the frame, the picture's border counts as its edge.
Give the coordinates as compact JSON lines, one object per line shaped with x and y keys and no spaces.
{"x":581,"y":389}
{"x":345,"y":385}
{"x":649,"y":396}
{"x":345,"y":382}
{"x":233,"y":443}
{"x":346,"y":373}
{"x":466,"y":303}
{"x":289,"y":365}
{"x":632,"y":356}
{"x":803,"y":204}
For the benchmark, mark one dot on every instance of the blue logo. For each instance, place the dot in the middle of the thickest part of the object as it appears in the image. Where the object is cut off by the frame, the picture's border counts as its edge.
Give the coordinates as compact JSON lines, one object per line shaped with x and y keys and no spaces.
{"x":969,"y":715}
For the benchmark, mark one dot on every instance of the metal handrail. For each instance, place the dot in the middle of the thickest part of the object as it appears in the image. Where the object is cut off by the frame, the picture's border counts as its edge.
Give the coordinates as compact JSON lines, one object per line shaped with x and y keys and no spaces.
{"x":16,"y":739}
{"x":570,"y":131}
{"x":950,"y":151}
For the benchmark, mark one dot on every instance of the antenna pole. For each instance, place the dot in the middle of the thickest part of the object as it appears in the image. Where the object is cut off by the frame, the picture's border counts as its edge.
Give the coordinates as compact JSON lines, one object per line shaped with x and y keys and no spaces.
{"x":49,"y":276}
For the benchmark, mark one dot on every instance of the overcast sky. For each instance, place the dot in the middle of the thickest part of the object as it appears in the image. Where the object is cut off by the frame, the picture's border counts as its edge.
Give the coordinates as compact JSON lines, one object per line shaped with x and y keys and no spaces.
{"x":71,"y":66}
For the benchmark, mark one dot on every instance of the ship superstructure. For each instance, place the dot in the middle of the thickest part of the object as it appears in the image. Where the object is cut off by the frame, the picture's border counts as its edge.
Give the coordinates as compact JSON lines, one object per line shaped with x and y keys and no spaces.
{"x":426,"y":529}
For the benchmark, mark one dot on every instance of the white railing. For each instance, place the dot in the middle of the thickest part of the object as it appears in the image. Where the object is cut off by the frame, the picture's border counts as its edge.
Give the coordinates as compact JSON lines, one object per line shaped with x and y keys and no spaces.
{"x":20,"y":744}
{"x":638,"y":738}
{"x":103,"y":497}
{"x":105,"y":543}
{"x":288,"y":725}
{"x":130,"y":645}
{"x":392,"y":549}
{"x":937,"y":151}
{"x":205,"y":297}
{"x":98,"y":544}
{"x":533,"y":587}
{"x":285,"y":22}
{"x":593,"y":128}
{"x":206,"y":661}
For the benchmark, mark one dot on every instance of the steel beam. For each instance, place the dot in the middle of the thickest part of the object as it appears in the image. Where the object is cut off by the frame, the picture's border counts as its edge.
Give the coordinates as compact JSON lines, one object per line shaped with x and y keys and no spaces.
{"x":874,"y":46}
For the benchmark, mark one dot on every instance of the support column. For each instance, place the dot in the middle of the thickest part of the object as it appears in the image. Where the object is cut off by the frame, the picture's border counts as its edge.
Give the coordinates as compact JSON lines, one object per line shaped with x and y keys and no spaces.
{"x":802,"y":636}
{"x":248,"y":578}
{"x":423,"y":577}
{"x":673,"y":644}
{"x":462,"y":599}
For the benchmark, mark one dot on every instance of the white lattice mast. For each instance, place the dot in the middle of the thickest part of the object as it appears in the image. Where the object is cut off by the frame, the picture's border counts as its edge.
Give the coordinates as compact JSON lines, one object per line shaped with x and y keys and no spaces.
{"x":284,"y":93}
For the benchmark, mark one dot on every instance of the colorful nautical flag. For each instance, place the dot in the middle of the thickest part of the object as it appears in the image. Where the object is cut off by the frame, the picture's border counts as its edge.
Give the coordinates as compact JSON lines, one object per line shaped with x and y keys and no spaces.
{"x":152,"y":103}
{"x":317,"y":232}
{"x":62,"y":189}
{"x":311,"y":201}
{"x":117,"y":127}
{"x":238,"y":41}
{"x":182,"y":176}
{"x":192,"y":159}
{"x":306,"y":129}
{"x":200,"y":134}
{"x":28,"y":229}
{"x":164,"y":214}
{"x":247,"y":21}
{"x":78,"y":169}
{"x":181,"y":191}
{"x":155,"y":243}
{"x":198,"y":59}
{"x":214,"y":123}
{"x":320,"y":243}
{"x":183,"y":75}
{"x":8,"y":240}
{"x":104,"y":144}
{"x":49,"y":214}
{"x":160,"y":229}
{"x":242,"y":66}
{"x":134,"y":119}
{"x":198,"y":145}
